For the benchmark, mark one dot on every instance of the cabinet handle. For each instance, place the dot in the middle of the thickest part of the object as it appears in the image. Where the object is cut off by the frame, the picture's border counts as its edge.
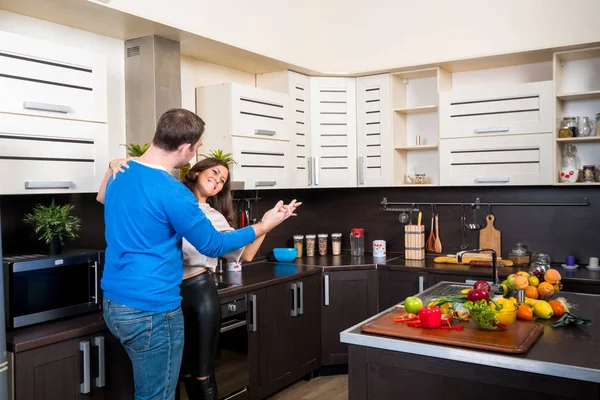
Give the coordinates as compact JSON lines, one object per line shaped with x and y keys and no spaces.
{"x":294,"y":312}
{"x":310,"y":171}
{"x":421,"y":283}
{"x":95,"y":296}
{"x":32,"y":105}
{"x":253,"y":326}
{"x":490,"y":130}
{"x":505,"y":179}
{"x":48,"y":184}
{"x":265,"y":183}
{"x":101,"y":378}
{"x":84,"y":388}
{"x":317,"y":172}
{"x":264,"y":132}
{"x":361,"y":173}
{"x":326,"y":287}
{"x":301,"y":290}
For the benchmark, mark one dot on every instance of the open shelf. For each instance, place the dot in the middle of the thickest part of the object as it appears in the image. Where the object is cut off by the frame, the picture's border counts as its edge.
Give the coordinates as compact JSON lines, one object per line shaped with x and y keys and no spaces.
{"x":579,"y":139}
{"x":589,"y":95}
{"x":417,"y":110}
{"x":418,"y":148}
{"x":417,"y":185}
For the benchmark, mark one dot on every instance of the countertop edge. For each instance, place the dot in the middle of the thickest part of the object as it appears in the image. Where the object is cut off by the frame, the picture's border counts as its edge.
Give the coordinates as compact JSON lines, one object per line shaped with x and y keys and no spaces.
{"x":271,"y":282}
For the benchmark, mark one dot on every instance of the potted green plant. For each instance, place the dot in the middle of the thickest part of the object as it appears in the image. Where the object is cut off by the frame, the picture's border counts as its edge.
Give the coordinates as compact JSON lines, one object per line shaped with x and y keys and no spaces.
{"x":136,"y":150}
{"x":53,"y":224}
{"x":221,"y":155}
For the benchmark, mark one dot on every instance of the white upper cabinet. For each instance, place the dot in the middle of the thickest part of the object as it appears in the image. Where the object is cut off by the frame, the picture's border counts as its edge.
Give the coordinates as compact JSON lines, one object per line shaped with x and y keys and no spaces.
{"x":373,"y":131}
{"x":333,"y":125}
{"x":513,"y":109}
{"x":54,"y":136}
{"x":44,"y":79}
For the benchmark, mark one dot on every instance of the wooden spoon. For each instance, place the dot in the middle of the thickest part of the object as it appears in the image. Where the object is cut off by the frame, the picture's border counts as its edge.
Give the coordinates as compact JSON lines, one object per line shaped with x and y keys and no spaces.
{"x":438,"y":242}
{"x":431,"y":239}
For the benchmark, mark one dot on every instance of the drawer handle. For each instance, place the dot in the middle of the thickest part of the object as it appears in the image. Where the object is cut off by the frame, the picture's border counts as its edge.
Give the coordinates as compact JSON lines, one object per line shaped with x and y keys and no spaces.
{"x":48,"y":184}
{"x":490,"y":130}
{"x":264,"y":132}
{"x":265,"y":183}
{"x":361,"y":172}
{"x":493,"y":180}
{"x":32,"y":105}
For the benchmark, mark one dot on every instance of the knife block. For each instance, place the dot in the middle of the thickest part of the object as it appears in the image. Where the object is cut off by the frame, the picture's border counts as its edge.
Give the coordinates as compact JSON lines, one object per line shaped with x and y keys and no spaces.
{"x":414,"y":242}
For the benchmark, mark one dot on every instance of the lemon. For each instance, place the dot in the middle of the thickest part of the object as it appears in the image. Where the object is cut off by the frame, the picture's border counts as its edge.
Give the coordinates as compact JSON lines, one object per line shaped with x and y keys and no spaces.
{"x":533,"y":281}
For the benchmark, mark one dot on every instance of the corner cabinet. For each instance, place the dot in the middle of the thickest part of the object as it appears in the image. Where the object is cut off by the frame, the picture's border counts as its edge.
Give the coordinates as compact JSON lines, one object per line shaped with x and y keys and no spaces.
{"x":53,"y":117}
{"x":374,"y":141}
{"x":333,"y":129}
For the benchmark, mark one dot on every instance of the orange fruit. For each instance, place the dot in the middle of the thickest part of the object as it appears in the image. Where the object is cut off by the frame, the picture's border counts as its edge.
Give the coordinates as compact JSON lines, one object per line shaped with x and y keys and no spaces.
{"x":545,"y":290}
{"x":524,"y":313}
{"x":532,"y":292}
{"x":552,"y":276}
{"x":521,"y":282}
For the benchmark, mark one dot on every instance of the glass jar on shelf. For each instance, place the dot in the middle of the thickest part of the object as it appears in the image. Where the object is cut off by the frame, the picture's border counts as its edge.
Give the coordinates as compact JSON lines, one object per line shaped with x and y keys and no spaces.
{"x":586,"y":127}
{"x":569,"y":171}
{"x":598,"y":124}
{"x":519,"y":256}
{"x":568,"y":127}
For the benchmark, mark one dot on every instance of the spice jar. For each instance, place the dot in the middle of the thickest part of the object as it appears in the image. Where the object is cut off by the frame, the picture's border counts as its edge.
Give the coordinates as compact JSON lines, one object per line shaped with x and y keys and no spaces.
{"x":310,"y":244}
{"x":323,"y":243}
{"x":298,"y":244}
{"x":336,"y":244}
{"x":357,"y":242}
{"x":568,"y":127}
{"x":519,"y":256}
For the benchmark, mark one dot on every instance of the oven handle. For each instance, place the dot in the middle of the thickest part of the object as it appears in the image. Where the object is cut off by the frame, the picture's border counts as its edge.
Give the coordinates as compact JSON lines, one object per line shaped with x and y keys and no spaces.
{"x":95,"y":296}
{"x":236,"y":323}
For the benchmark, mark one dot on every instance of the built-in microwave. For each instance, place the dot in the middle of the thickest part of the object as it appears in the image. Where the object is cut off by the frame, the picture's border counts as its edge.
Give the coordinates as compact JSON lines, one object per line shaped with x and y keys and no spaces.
{"x":40,"y":288}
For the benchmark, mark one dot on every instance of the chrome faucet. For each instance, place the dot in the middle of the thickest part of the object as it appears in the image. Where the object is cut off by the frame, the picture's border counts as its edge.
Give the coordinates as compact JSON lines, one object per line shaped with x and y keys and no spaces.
{"x":496,"y":288}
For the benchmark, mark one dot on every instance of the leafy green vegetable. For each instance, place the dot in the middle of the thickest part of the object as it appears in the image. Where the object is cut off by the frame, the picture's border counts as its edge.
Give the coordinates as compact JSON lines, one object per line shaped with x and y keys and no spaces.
{"x":451,"y":298}
{"x":483,"y":315}
{"x":571,"y":319}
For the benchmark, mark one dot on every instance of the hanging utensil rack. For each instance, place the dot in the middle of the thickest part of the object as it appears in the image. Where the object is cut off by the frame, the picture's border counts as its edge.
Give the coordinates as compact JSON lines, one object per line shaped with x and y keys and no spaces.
{"x":398,"y":206}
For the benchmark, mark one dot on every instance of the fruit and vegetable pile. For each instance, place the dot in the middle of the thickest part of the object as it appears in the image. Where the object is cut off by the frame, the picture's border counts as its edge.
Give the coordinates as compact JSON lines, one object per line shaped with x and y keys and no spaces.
{"x":495,"y":314}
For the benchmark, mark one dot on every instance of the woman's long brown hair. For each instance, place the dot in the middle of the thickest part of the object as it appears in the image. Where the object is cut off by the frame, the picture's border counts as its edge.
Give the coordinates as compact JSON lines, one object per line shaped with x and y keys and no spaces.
{"x":222,"y":201}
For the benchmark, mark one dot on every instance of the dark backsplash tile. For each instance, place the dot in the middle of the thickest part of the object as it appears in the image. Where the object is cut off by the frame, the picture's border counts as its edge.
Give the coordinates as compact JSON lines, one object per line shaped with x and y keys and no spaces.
{"x":558,"y":231}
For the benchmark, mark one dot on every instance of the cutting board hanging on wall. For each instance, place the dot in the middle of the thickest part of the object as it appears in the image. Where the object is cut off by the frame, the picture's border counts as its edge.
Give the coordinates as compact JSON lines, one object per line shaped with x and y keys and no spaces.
{"x":489,"y":237}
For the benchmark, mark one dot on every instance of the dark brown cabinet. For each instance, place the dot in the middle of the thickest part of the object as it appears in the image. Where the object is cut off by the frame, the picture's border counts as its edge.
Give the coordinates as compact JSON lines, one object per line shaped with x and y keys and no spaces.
{"x":395,"y":286}
{"x":348,"y":298}
{"x":90,"y":367}
{"x":284,"y":336}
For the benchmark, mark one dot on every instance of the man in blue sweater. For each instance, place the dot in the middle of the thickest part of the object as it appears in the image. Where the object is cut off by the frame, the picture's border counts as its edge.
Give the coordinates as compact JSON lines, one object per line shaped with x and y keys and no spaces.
{"x":146,"y":213}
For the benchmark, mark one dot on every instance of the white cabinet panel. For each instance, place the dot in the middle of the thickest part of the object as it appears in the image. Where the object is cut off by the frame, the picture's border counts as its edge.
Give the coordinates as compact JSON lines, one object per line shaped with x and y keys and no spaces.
{"x":517,"y":109}
{"x":65,"y":156}
{"x":373,"y":131}
{"x":497,"y":160}
{"x":46,"y":79}
{"x":261,"y":163}
{"x":333,"y":131}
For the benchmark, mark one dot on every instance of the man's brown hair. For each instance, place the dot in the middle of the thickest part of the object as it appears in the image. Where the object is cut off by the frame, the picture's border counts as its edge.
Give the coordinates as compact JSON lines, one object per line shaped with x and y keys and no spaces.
{"x":177,"y":127}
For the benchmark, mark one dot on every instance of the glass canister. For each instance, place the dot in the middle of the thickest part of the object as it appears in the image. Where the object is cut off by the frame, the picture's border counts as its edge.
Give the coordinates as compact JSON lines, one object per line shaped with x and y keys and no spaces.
{"x":322,"y":243}
{"x":357,"y":242}
{"x":310,"y":244}
{"x":568,"y":127}
{"x":298,"y":244}
{"x":519,"y":256}
{"x":586,"y":126}
{"x":540,"y":263}
{"x":336,"y":244}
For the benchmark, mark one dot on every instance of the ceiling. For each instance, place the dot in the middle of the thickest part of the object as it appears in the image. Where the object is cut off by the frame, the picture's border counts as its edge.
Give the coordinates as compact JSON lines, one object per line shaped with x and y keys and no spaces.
{"x":355,"y":36}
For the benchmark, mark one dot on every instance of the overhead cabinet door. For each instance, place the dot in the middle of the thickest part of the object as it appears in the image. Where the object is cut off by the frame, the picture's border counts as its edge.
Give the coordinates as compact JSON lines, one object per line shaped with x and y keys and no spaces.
{"x":333,"y":114}
{"x":522,"y":160}
{"x":516,"y":109}
{"x":261,"y":164}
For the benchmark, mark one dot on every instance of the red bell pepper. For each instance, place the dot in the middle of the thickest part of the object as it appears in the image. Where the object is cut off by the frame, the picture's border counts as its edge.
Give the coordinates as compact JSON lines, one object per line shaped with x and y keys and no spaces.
{"x":430,"y":316}
{"x":405,"y":317}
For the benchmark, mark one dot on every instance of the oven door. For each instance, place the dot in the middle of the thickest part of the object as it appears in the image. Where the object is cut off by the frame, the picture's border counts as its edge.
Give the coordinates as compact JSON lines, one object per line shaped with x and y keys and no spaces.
{"x":49,"y":289}
{"x":231,"y":365}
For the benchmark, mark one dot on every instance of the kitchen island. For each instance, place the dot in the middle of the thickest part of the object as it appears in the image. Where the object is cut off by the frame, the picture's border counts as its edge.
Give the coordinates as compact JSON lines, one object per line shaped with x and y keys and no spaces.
{"x":564,"y":363}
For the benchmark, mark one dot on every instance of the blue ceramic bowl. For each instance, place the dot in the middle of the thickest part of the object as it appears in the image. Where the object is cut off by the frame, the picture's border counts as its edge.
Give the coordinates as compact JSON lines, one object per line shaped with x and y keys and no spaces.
{"x":285,"y":254}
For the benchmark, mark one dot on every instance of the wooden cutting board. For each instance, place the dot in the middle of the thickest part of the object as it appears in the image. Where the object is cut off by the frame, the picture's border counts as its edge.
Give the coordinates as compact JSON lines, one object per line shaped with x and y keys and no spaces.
{"x":516,"y":339}
{"x":489,"y":237}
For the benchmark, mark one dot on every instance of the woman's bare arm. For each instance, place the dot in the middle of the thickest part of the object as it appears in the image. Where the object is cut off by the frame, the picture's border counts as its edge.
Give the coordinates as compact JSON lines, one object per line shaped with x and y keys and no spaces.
{"x":251,"y":249}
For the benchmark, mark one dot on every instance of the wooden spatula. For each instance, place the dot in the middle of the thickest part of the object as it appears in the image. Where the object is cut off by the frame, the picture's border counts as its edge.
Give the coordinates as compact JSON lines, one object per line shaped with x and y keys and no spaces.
{"x":438,"y":242}
{"x":489,"y":237}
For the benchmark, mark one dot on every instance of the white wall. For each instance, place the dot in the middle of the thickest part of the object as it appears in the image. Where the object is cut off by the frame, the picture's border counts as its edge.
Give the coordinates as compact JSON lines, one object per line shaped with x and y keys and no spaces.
{"x":358,"y":35}
{"x":111,"y":48}
{"x":195,"y":73}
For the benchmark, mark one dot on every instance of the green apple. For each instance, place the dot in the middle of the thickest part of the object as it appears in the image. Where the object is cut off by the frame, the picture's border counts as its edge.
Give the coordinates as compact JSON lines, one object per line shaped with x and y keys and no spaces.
{"x":413,"y":304}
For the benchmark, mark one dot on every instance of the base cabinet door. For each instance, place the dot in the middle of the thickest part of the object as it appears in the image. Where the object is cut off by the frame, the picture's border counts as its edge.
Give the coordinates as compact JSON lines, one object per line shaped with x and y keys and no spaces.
{"x":395,"y":286}
{"x":308,"y":326}
{"x":348,"y":298}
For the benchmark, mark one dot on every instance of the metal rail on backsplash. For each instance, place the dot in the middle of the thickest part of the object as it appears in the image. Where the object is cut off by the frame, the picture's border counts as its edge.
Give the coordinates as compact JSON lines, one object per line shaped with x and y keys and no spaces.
{"x":385,"y":204}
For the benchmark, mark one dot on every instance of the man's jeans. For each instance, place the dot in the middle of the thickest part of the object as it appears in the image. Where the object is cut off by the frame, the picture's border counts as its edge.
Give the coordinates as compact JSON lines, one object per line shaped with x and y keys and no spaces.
{"x":154,"y":342}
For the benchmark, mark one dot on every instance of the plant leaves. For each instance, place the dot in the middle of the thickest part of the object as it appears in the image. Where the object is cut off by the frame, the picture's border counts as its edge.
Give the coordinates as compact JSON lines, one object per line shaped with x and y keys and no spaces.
{"x":221,"y":155}
{"x":53,"y":222}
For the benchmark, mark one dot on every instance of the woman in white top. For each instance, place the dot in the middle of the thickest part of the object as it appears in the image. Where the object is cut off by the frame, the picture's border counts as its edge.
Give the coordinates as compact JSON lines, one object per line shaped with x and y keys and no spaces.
{"x":209,"y":181}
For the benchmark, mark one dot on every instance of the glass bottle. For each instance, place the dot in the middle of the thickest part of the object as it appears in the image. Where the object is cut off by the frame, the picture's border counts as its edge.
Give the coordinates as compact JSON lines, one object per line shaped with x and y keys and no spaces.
{"x":357,"y":242}
{"x":598,"y":124}
{"x":586,"y":126}
{"x":569,"y":159}
{"x":568,"y":127}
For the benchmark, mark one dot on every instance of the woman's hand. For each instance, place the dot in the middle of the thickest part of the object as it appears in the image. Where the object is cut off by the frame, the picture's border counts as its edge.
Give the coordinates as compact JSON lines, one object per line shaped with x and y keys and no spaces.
{"x":118,"y":164}
{"x":280,"y":213}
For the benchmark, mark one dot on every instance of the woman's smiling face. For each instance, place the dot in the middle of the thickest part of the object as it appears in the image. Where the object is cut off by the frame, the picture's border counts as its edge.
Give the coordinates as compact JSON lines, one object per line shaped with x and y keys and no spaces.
{"x":211,"y":180}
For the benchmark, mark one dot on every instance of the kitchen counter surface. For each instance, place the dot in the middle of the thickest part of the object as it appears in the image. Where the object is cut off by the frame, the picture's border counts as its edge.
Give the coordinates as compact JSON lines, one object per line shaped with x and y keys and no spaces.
{"x":344,"y":261}
{"x":581,"y":274}
{"x":567,"y":352}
